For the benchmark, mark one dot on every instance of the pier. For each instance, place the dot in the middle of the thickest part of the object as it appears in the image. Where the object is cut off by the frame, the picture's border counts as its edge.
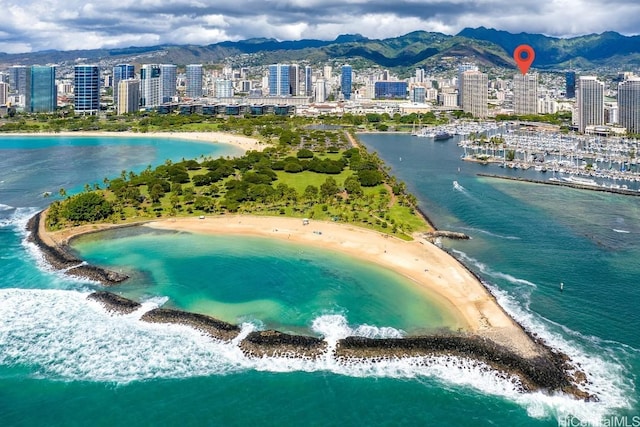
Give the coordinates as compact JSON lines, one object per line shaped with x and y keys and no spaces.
{"x":560,"y":183}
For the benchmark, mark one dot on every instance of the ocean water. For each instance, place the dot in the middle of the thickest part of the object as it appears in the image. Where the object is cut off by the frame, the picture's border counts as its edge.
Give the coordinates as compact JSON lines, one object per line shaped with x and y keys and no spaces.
{"x":65,"y":361}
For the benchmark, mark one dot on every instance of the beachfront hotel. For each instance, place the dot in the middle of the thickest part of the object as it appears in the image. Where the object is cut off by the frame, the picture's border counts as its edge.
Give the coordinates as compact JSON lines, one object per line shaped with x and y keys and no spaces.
{"x":589,"y":102}
{"x":128,"y":96}
{"x":629,"y":104}
{"x":525,"y":94}
{"x":86,"y":82}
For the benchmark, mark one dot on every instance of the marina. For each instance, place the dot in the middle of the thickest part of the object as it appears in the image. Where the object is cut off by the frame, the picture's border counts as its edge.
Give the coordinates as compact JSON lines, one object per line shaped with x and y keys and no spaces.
{"x":586,"y":160}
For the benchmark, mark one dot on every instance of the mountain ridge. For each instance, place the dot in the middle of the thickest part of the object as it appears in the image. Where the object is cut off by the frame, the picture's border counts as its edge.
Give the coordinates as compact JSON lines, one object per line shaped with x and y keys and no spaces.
{"x":487,"y":46}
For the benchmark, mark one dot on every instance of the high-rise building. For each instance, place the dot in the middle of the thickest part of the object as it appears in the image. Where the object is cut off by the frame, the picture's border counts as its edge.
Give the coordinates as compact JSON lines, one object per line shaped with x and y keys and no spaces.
{"x":420,"y":75}
{"x":345,"y":81}
{"x":4,"y":93}
{"x":475,"y":93}
{"x":194,"y":81}
{"x":308,"y":81}
{"x":418,"y":94}
{"x":629,"y":104}
{"x":390,"y":90}
{"x":128,"y":96}
{"x":570,"y":82}
{"x":224,"y":88}
{"x":294,"y":80}
{"x":461,"y":69}
{"x":321,"y":90}
{"x":525,"y":93}
{"x":121,"y":72}
{"x":168,"y":82}
{"x":327,"y":72}
{"x":86,"y":83}
{"x":150,"y":85}
{"x":279,"y":80}
{"x":589,"y":102}
{"x":41,"y":94}
{"x":18,"y":83}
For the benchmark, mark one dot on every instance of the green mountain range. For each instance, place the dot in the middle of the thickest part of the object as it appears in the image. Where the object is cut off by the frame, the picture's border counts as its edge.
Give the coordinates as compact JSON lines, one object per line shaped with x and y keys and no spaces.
{"x":419,"y":48}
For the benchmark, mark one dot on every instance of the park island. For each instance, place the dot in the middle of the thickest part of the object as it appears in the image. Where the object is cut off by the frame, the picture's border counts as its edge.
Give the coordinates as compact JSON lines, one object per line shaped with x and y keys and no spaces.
{"x":320,"y":189}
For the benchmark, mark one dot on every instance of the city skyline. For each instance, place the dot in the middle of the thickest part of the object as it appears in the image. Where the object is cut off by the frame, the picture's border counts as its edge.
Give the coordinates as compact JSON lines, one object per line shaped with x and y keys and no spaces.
{"x":67,"y":26}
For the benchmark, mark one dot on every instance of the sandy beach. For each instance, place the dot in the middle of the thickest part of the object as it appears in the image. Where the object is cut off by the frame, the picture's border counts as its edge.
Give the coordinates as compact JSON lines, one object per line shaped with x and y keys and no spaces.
{"x":440,"y":276}
{"x":241,"y":141}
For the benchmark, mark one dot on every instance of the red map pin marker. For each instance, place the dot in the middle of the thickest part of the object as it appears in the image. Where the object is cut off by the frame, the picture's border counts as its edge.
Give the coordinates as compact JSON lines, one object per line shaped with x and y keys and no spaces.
{"x":524,"y":56}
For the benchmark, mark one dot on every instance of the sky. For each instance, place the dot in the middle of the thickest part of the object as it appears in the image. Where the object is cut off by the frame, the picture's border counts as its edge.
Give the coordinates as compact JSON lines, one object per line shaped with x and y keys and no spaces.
{"x":36,"y":25}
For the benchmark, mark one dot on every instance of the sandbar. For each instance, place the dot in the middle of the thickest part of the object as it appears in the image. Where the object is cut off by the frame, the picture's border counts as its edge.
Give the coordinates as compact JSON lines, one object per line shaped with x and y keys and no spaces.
{"x":244,"y":142}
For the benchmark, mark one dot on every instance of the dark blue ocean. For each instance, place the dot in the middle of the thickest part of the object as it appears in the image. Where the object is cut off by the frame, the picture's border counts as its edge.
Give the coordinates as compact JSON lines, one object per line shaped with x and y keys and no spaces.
{"x":65,"y":361}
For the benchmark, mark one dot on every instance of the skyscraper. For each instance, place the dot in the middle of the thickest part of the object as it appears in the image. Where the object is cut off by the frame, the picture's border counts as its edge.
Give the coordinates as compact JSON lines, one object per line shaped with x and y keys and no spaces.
{"x":294,"y":80}
{"x":279,"y":80}
{"x":168,"y":80}
{"x":629,"y":104}
{"x":570,"y":81}
{"x":86,"y":80}
{"x":589,"y":102}
{"x":121,"y":72}
{"x":418,"y":94}
{"x":345,"y":81}
{"x":18,"y":83}
{"x":223,"y":88}
{"x":150,"y":86}
{"x":128,"y":96}
{"x":308,"y":81}
{"x":41,"y":93}
{"x":321,"y":90}
{"x":461,"y":69}
{"x":525,"y":93}
{"x":475,"y":93}
{"x":4,"y":93}
{"x":194,"y":81}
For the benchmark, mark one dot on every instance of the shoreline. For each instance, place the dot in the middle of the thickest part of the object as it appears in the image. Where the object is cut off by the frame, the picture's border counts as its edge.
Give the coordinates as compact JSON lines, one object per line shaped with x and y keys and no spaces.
{"x":489,"y":334}
{"x":244,"y":142}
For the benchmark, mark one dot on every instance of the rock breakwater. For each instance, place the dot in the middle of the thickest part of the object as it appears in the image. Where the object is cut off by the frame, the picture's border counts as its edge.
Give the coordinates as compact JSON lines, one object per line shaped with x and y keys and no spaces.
{"x":61,"y":258}
{"x":549,"y":371}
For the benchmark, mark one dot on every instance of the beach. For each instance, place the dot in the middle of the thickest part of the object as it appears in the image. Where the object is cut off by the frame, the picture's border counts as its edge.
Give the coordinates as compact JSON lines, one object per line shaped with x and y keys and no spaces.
{"x":436,"y":273}
{"x":244,"y":142}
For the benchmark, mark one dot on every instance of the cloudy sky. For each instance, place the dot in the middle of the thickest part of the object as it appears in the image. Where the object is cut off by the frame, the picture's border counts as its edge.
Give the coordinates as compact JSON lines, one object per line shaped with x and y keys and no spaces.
{"x":33,"y":25}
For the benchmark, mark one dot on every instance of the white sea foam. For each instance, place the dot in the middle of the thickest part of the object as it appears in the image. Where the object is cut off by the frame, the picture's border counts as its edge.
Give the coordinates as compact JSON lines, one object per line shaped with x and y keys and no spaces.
{"x":62,"y":335}
{"x":606,"y":374}
{"x":485,"y":270}
{"x":4,"y":207}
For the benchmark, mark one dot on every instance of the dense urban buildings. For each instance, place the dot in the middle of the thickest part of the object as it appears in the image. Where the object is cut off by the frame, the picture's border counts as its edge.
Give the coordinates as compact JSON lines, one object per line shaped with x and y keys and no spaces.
{"x":18,"y":83}
{"x":121,"y":72}
{"x":525,"y":93}
{"x":86,"y":82}
{"x":629,"y":104}
{"x":589,"y":102}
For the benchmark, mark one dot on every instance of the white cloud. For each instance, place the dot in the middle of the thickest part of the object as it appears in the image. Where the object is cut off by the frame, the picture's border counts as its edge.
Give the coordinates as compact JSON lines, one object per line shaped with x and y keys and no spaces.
{"x":31,"y":25}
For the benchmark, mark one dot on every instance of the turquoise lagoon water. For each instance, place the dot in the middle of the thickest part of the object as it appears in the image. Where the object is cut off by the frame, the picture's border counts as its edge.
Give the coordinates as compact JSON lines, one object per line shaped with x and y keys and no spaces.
{"x":64,"y":361}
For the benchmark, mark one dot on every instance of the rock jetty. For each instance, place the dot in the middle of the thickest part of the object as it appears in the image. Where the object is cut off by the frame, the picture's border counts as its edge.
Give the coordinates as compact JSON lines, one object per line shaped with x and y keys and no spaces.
{"x":433,"y":235}
{"x":272,"y":343}
{"x":61,"y":258}
{"x":214,"y":327}
{"x":549,"y":371}
{"x":115,"y":303}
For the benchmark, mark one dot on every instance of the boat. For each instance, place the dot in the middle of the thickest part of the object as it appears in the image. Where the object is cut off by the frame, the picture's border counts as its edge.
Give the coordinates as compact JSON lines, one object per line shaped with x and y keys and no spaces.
{"x":442,"y":136}
{"x":579,"y":180}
